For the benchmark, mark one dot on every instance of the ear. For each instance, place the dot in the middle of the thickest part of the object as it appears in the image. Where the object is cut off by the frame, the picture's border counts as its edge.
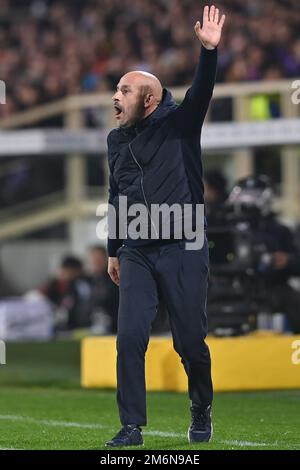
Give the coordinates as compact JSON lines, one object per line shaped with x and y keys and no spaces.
{"x":148,"y":100}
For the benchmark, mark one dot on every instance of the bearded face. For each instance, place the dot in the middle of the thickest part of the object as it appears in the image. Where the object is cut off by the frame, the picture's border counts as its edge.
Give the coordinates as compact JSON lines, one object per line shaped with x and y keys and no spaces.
{"x":128,"y":104}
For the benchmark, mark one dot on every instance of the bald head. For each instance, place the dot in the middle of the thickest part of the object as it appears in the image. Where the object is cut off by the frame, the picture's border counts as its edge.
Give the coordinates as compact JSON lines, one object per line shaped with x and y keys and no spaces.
{"x":148,"y":83}
{"x":138,"y":95}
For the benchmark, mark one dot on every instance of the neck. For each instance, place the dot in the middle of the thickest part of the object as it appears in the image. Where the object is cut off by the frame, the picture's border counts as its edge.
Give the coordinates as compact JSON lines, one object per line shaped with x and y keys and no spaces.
{"x":150,"y":111}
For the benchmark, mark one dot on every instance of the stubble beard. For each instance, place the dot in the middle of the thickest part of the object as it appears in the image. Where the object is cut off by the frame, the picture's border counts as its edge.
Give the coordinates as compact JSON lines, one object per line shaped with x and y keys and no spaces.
{"x":138,"y":113}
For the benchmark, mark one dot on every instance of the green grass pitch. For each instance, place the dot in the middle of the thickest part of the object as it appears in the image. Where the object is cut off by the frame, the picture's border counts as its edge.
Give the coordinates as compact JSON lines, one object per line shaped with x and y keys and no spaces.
{"x":43,"y":407}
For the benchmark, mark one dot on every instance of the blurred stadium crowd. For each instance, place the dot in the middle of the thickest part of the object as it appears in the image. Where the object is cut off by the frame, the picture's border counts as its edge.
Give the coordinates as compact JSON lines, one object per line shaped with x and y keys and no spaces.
{"x":53,"y":48}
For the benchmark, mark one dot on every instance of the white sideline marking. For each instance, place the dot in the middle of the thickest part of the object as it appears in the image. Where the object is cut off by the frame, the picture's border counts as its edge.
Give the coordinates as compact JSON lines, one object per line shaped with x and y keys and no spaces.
{"x":7,"y":448}
{"x":163,"y":434}
{"x":71,"y":424}
{"x":50,"y":422}
{"x":227,"y":442}
{"x":247,"y":443}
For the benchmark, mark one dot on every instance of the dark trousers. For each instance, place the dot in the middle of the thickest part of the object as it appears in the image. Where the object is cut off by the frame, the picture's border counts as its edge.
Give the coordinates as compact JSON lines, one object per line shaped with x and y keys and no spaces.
{"x":180,"y":277}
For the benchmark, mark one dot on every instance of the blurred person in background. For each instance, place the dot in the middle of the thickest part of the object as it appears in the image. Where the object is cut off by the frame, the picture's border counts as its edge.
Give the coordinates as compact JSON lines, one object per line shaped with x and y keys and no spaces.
{"x":71,"y":295}
{"x":105,"y":296}
{"x":215,"y":195}
{"x":275,"y":255}
{"x":6,"y":287}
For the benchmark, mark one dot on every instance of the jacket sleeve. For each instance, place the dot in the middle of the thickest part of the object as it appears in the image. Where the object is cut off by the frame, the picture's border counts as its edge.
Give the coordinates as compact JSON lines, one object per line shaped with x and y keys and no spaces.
{"x":192,"y":111}
{"x":112,"y":243}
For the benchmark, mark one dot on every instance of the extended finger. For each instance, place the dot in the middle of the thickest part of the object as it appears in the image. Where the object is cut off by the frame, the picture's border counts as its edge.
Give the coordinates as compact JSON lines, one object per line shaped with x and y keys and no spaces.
{"x":205,"y":14}
{"x":115,"y":279}
{"x":222,"y":21}
{"x":216,"y":17}
{"x":197,"y":26}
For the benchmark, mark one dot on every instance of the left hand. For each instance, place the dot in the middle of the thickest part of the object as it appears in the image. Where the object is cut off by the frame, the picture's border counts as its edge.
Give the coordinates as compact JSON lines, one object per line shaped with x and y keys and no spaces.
{"x":210,"y":33}
{"x":113,"y":269}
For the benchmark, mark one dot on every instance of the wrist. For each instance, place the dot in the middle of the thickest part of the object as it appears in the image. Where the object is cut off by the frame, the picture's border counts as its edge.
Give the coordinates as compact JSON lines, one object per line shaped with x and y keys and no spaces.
{"x":209,"y":47}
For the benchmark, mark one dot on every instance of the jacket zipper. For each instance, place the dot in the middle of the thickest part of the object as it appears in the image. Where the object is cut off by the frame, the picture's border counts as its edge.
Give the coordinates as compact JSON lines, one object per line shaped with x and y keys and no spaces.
{"x":142,"y":187}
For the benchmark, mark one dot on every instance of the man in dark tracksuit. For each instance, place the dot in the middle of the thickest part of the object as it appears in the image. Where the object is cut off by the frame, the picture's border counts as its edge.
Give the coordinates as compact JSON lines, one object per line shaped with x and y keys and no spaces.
{"x":155,"y":158}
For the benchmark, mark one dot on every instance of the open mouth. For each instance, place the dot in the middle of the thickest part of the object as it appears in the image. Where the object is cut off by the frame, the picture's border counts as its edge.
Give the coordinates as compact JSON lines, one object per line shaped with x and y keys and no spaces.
{"x":118,"y":110}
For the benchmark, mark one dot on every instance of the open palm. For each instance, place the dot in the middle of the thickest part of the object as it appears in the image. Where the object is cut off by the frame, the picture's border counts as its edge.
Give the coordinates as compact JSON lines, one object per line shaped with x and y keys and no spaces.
{"x":210,"y":33}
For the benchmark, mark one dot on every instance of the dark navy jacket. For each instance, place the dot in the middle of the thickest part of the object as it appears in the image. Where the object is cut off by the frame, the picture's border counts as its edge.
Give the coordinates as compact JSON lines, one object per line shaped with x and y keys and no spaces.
{"x":159,"y":159}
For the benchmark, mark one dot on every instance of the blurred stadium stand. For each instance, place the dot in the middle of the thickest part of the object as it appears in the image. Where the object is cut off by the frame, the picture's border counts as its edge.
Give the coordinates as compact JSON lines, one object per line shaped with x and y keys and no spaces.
{"x":53,"y":48}
{"x":61,"y":61}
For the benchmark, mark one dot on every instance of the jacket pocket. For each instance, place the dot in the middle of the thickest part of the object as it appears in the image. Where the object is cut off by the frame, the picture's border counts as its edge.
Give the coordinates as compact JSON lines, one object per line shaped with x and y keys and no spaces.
{"x":119,"y":250}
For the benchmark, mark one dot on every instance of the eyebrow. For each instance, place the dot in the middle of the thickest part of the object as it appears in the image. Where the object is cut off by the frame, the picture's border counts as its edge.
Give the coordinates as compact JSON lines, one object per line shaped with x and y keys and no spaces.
{"x":124,"y":86}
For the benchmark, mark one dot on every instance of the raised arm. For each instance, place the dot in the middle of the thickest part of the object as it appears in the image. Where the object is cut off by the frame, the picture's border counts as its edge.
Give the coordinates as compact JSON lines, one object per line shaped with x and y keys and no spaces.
{"x":197,"y":98}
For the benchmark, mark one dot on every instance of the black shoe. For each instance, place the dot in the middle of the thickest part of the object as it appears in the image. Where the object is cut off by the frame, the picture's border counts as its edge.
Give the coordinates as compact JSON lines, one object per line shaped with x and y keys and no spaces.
{"x":201,"y":429}
{"x":129,"y":435}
